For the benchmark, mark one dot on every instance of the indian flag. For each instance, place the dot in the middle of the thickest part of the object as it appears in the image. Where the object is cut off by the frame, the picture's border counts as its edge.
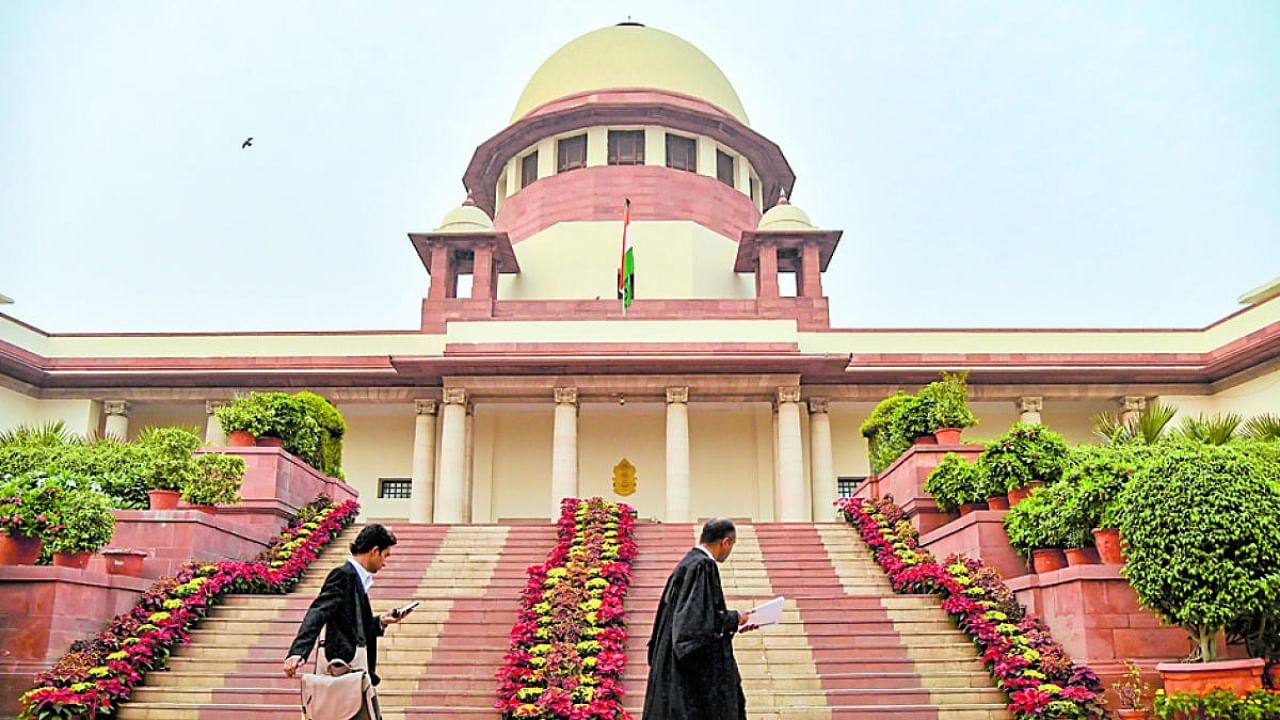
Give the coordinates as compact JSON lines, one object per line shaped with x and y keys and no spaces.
{"x":627,"y":270}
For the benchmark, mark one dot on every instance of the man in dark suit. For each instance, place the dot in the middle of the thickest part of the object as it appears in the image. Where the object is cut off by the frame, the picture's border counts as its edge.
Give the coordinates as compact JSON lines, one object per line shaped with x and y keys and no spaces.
{"x":344,"y":594}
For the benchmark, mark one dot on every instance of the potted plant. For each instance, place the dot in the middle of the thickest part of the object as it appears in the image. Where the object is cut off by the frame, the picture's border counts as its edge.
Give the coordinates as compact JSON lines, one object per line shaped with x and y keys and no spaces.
{"x":242,"y":420}
{"x":914,"y":420}
{"x":86,"y":523}
{"x":1201,"y":525}
{"x":216,"y":481}
{"x":332,"y":429}
{"x":1023,"y":457}
{"x":124,"y":561}
{"x":168,"y":465}
{"x":28,"y":508}
{"x":1035,"y":532}
{"x":1133,"y":694}
{"x":954,"y":485}
{"x":947,"y":403}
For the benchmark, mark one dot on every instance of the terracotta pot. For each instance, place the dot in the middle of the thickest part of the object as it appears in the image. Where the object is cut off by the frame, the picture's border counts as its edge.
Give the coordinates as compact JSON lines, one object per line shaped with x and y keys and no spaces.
{"x":967,"y":508}
{"x":240,"y":438}
{"x":274,"y":442}
{"x":1080,"y":556}
{"x":924,"y":440}
{"x":1107,"y":542}
{"x":19,"y":550}
{"x":124,"y":562}
{"x":947,"y":436}
{"x":1017,"y":495}
{"x":1273,"y":676}
{"x":79,"y":560}
{"x":1239,"y":676}
{"x":163,"y":499}
{"x":999,"y":502}
{"x":1132,"y":714}
{"x":1047,"y":560}
{"x":1033,"y":485}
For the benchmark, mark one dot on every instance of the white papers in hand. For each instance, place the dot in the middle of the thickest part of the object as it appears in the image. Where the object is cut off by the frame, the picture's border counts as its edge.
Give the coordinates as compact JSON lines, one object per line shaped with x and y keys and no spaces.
{"x":769,"y":613}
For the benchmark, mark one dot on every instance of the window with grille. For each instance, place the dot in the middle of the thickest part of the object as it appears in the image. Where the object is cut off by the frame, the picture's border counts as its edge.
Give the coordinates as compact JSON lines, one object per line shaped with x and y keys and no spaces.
{"x":528,"y":169}
{"x":571,"y":153}
{"x":682,"y":153}
{"x":626,"y":147}
{"x":724,"y":168}
{"x":395,"y":488}
{"x":845,"y":486}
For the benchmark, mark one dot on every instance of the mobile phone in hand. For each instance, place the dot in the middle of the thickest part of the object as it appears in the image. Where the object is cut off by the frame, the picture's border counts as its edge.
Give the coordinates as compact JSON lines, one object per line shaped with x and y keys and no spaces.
{"x":402,"y":611}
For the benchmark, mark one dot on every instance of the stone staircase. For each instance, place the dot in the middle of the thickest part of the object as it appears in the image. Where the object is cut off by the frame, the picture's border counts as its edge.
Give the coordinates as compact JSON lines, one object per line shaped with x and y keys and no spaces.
{"x":440,"y":661}
{"x":848,"y":647}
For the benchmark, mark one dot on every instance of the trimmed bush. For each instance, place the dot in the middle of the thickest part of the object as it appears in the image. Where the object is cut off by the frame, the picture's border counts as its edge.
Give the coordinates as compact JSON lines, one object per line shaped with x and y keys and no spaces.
{"x":1040,"y":521}
{"x":1025,"y":453}
{"x":1201,"y":526}
{"x":947,"y":401}
{"x":217,"y":480}
{"x":85,"y":520}
{"x":954,"y":482}
{"x":168,"y":463}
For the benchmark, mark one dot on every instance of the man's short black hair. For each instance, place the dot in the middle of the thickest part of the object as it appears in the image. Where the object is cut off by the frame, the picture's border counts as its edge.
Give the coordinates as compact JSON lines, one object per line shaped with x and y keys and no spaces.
{"x":716,"y":530}
{"x":371,"y":537}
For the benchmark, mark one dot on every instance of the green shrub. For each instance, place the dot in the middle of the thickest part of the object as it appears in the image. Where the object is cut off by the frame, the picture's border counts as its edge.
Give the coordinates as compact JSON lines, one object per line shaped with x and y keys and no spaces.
{"x":216,"y":481}
{"x":332,"y":429}
{"x":243,"y":414}
{"x":954,"y":482}
{"x":884,"y":443}
{"x":1025,"y":453}
{"x":1097,"y":475}
{"x":947,"y":401}
{"x":1201,"y":524}
{"x":168,"y":462}
{"x":1040,"y":521}
{"x":28,"y":505}
{"x":1217,"y":704}
{"x":85,"y":522}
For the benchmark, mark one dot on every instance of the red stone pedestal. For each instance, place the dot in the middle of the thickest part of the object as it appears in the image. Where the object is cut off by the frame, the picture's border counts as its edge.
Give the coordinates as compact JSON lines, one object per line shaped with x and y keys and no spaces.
{"x":1094,"y":613}
{"x":276,"y":485}
{"x":979,"y":535}
{"x":172,"y":537}
{"x":45,"y":609}
{"x":905,"y":478}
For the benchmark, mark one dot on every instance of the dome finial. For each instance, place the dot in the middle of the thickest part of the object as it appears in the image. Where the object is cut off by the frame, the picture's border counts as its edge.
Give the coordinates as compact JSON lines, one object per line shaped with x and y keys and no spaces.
{"x":782,"y":196}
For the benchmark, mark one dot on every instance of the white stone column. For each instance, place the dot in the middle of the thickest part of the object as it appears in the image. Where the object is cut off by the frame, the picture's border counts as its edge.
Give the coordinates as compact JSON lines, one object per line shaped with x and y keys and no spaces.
{"x":792,"y":502}
{"x":451,"y":484}
{"x":117,"y":412}
{"x":423,"y":488}
{"x":213,"y":434}
{"x":822,"y":463}
{"x":1029,"y":409}
{"x":564,"y":449}
{"x":678,"y":454}
{"x":1131,"y":407}
{"x":468,"y":484}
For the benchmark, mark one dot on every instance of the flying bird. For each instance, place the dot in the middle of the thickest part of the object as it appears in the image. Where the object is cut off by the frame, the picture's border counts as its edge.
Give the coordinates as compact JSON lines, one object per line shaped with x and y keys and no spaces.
{"x":247,"y":142}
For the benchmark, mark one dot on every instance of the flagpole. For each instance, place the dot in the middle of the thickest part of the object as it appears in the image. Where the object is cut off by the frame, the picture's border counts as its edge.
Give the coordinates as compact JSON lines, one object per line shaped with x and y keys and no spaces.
{"x":622,"y":260}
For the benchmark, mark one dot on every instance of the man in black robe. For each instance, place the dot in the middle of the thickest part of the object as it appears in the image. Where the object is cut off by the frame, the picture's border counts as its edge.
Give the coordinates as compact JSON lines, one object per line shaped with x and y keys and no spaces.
{"x":692,"y":673}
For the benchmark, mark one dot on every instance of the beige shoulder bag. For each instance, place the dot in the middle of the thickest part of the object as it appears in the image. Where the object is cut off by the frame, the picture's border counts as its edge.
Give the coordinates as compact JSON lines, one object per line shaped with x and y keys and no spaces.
{"x":339,"y":690}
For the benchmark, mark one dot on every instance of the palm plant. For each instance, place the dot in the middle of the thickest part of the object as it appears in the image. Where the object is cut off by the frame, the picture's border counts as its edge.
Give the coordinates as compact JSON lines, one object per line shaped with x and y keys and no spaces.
{"x":1150,"y":427}
{"x":52,"y":433}
{"x":1217,"y":429}
{"x":1265,"y":427}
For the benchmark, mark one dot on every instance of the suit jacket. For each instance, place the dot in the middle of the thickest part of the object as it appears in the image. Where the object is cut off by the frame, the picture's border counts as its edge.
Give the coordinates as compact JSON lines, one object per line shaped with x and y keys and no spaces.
{"x":334,"y":609}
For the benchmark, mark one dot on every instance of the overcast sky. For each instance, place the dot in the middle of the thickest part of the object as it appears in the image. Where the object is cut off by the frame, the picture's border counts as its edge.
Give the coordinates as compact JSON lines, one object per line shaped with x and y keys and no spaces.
{"x":1010,"y":164}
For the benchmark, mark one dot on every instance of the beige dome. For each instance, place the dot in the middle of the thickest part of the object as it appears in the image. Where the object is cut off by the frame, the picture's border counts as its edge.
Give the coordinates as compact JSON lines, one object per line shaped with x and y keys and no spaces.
{"x":465,"y":218}
{"x":629,"y":55}
{"x":785,"y":217}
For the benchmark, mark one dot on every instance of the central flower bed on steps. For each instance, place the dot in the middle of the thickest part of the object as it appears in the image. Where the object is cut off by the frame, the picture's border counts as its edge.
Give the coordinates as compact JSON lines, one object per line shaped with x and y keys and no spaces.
{"x":1025,"y":661}
{"x":97,"y":675}
{"x":568,"y":646}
